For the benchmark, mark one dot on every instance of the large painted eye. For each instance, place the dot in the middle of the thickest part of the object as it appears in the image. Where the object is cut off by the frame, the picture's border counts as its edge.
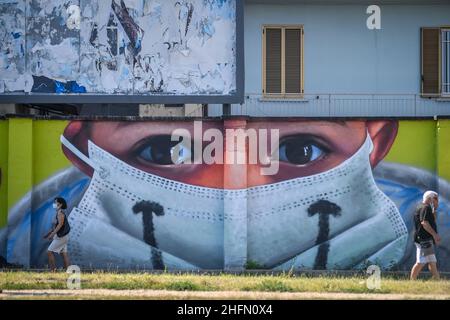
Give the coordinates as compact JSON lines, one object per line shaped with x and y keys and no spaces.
{"x":300,"y":150}
{"x":161,"y":150}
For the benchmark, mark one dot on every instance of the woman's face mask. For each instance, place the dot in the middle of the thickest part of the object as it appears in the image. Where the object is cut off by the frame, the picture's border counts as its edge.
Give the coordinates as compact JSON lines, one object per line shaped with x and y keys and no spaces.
{"x":55,"y":205}
{"x":332,"y":220}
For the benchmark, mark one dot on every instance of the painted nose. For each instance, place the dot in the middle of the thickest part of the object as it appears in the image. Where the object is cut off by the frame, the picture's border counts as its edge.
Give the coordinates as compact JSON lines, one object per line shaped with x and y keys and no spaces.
{"x":238,"y":172}
{"x":235,"y":154}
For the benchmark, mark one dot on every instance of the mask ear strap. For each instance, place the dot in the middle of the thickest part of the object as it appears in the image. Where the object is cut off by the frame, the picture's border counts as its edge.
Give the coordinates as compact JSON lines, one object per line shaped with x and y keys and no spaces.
{"x":78,"y":153}
{"x":370,"y":142}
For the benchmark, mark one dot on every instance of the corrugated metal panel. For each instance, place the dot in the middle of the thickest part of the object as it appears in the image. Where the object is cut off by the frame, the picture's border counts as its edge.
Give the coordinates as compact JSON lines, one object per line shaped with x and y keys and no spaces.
{"x":214,"y":110}
{"x":370,"y":105}
{"x":340,"y":105}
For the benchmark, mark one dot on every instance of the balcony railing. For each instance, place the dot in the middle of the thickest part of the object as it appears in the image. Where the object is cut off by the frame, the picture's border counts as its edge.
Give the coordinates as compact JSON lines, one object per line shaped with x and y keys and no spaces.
{"x":341,"y":105}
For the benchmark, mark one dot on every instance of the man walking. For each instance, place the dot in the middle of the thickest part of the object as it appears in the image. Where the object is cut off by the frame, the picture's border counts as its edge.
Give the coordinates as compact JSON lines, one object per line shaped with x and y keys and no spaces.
{"x":426,"y":235}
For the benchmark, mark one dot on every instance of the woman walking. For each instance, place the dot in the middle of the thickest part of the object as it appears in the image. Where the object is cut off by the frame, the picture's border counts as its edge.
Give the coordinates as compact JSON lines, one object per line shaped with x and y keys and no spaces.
{"x":59,"y":234}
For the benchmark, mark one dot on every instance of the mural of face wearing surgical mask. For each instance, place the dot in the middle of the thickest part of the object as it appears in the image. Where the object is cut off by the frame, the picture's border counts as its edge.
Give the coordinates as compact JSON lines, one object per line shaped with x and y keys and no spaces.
{"x":133,"y":207}
{"x":322,"y":210}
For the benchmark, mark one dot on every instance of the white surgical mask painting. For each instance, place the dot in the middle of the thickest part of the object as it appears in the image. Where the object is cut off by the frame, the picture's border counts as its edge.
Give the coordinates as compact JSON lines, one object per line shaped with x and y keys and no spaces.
{"x":54,"y":205}
{"x":337,"y":219}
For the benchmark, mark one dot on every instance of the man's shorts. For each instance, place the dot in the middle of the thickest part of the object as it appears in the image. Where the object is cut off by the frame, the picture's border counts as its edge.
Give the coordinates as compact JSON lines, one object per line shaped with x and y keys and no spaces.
{"x":58,"y":244}
{"x":425,"y":255}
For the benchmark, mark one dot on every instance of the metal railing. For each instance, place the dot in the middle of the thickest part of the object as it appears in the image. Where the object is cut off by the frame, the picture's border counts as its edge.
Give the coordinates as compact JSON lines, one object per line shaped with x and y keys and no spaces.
{"x":342,"y":105}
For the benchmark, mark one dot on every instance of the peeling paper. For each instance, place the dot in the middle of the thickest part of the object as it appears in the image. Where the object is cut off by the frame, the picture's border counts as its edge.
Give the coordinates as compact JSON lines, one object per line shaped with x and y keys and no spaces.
{"x":12,"y":49}
{"x":184,"y":47}
{"x":74,"y":19}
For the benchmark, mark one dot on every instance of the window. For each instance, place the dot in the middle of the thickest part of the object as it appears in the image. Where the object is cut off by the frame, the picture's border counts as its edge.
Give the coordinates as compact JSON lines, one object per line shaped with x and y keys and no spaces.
{"x":435,"y":49}
{"x":445,"y":56}
{"x":283,"y":61}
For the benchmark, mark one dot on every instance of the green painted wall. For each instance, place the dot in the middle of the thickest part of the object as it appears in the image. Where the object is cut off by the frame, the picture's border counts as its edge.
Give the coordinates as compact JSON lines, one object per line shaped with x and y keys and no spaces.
{"x":47,"y":155}
{"x":20,"y":159}
{"x":30,"y":152}
{"x":415,"y":144}
{"x":4,"y":172}
{"x":443,"y":154}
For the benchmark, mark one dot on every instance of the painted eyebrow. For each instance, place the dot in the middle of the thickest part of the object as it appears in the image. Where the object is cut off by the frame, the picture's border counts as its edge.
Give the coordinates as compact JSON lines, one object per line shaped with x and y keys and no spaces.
{"x":341,"y":123}
{"x":124,"y":125}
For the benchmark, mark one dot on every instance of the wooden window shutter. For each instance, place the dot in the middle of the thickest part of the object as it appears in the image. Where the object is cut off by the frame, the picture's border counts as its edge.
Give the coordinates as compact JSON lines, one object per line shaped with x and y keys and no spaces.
{"x":430,"y":61}
{"x":293,"y":60}
{"x":273,"y":60}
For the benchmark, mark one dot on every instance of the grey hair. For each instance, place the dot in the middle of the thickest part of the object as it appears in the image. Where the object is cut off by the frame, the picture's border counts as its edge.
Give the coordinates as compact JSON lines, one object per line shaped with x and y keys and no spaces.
{"x":429,"y":194}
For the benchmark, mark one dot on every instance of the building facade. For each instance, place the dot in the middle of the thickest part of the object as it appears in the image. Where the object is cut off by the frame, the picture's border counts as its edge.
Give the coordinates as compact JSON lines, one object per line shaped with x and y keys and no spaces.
{"x":344,"y":68}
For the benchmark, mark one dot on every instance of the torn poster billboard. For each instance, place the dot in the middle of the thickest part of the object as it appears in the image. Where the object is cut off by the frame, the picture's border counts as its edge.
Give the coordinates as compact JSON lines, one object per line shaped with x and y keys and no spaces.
{"x":163,"y":51}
